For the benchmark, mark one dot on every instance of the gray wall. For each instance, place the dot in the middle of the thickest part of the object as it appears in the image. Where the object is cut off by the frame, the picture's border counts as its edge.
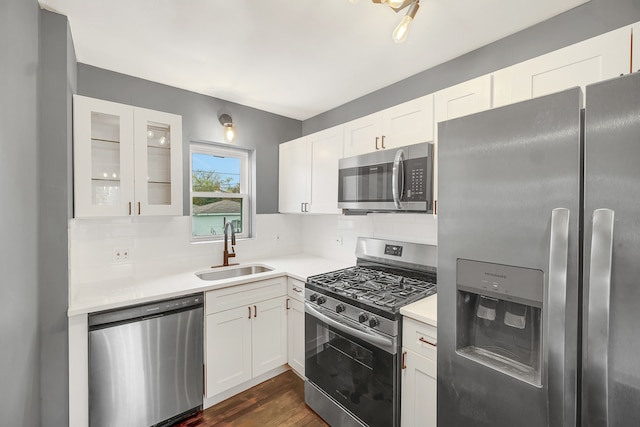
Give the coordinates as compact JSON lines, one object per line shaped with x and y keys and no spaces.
{"x":583,"y":22}
{"x":57,"y":84}
{"x":255,"y":129}
{"x":19,"y":343}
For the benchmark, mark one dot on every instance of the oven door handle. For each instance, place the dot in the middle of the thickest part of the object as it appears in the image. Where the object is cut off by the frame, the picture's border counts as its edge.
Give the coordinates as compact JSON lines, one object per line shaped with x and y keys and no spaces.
{"x":362,"y":334}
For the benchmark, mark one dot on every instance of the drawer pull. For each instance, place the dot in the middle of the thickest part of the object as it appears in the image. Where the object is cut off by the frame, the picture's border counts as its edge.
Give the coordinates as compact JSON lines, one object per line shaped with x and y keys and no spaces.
{"x":404,"y":354}
{"x":421,"y":339}
{"x":297,"y":289}
{"x":249,"y":312}
{"x":287,"y":303}
{"x":255,"y":311}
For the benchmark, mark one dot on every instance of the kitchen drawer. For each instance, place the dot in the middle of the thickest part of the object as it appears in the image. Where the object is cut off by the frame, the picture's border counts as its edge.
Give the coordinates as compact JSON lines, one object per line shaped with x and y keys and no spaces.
{"x":419,"y":337}
{"x":295,"y":289}
{"x":247,"y":294}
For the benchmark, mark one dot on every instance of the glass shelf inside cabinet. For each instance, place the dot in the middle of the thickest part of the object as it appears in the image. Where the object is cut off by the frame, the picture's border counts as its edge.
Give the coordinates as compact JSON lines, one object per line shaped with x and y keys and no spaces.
{"x":159,"y":163}
{"x":105,"y":159}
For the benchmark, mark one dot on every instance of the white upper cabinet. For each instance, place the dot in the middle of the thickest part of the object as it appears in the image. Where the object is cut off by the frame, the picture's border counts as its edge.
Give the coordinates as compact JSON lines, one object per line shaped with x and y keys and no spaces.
{"x":599,"y":58}
{"x":308,"y":173}
{"x":635,"y":53}
{"x":326,"y":149}
{"x":363,"y":135}
{"x":127,"y":160}
{"x":405,"y":124}
{"x":294,"y":177}
{"x":456,"y":101}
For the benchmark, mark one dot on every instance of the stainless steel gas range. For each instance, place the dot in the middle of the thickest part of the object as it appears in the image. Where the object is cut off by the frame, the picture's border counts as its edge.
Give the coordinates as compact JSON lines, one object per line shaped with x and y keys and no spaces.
{"x":353,"y":329}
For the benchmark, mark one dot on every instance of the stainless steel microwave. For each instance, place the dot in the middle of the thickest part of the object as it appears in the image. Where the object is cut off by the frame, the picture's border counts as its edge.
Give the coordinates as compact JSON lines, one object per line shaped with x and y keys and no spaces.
{"x":395,"y":179}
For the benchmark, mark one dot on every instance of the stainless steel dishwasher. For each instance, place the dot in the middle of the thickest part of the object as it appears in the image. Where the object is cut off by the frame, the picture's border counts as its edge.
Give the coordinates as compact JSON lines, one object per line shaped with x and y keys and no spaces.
{"x":145,"y":363}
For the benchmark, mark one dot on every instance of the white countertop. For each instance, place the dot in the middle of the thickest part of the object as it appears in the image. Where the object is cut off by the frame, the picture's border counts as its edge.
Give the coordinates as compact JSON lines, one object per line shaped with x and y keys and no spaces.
{"x":108,"y":294}
{"x":424,"y":310}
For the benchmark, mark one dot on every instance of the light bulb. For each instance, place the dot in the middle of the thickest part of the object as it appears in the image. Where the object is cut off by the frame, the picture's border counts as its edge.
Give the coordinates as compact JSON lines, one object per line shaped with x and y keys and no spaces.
{"x":162,"y":140}
{"x":229,"y":133}
{"x":401,"y":31}
{"x":150,"y":134}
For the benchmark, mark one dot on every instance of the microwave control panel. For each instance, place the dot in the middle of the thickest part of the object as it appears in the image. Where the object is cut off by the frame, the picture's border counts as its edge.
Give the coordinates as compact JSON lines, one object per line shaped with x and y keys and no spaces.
{"x":415,"y":179}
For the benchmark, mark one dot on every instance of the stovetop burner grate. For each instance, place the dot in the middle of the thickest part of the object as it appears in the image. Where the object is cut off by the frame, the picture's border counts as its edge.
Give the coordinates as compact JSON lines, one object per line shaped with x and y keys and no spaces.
{"x":375,"y":287}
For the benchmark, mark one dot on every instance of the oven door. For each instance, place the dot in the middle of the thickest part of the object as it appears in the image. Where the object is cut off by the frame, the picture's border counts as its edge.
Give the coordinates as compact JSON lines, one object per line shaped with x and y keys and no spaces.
{"x":357,"y":368}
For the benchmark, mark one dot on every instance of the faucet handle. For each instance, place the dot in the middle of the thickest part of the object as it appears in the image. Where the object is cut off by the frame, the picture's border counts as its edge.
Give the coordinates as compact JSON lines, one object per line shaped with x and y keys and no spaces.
{"x":233,"y":252}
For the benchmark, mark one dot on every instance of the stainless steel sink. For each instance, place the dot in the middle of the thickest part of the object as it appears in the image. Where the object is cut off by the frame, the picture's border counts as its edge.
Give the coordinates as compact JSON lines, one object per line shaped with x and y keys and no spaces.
{"x":229,"y":273}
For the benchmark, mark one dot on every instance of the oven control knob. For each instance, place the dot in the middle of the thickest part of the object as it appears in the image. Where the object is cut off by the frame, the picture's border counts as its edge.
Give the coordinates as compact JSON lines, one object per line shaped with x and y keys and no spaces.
{"x":340,"y":308}
{"x":363,"y":317}
{"x":373,"y":322}
{"x":321,"y":300}
{"x":313,"y":297}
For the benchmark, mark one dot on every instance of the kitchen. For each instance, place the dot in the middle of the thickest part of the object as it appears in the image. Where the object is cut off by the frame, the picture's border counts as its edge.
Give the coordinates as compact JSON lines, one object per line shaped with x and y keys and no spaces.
{"x":37,"y":332}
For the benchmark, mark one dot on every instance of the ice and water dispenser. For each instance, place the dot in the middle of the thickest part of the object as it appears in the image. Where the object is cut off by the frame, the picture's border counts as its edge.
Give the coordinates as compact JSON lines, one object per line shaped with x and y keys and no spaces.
{"x":499,"y":317}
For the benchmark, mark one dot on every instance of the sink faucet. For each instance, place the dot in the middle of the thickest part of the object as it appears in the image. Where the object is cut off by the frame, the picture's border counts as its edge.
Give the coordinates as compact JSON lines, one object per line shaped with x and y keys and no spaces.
{"x":227,"y":255}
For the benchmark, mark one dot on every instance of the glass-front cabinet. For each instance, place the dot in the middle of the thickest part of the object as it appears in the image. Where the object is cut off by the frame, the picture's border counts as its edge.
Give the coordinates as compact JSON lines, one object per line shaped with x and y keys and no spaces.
{"x":127,"y":160}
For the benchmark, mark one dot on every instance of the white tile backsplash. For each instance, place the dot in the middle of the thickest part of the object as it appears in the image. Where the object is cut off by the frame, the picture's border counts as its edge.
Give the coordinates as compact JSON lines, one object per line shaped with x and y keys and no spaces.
{"x":335,"y":236}
{"x":159,"y":244}
{"x":163,"y":243}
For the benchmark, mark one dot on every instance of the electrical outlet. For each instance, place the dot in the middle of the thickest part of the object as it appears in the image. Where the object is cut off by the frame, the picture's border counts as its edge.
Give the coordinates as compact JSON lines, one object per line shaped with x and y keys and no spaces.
{"x":120,"y":254}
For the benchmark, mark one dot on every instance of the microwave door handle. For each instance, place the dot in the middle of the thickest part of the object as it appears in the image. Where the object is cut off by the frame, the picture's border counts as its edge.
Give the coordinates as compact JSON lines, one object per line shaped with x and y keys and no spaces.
{"x":397,"y":178}
{"x":597,"y":370}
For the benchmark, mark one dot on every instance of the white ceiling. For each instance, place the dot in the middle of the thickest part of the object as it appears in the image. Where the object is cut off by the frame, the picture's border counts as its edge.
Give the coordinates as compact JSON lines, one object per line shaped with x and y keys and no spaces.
{"x":297,"y":58}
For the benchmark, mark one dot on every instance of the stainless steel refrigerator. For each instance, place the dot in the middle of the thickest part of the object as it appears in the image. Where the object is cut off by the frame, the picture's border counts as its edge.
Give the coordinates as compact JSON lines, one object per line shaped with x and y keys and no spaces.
{"x":539,"y":262}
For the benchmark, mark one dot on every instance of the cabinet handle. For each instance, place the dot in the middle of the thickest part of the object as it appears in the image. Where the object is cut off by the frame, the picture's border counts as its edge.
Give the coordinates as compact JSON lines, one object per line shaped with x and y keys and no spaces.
{"x":306,"y":207}
{"x":301,"y":207}
{"x":297,"y":289}
{"x":255,"y":311}
{"x":287,"y":303}
{"x":421,"y":339}
{"x":138,"y":208}
{"x":129,"y":208}
{"x":404,"y":355}
{"x":383,"y":147}
{"x":435,"y":207}
{"x":377,"y":138}
{"x":249,"y":312}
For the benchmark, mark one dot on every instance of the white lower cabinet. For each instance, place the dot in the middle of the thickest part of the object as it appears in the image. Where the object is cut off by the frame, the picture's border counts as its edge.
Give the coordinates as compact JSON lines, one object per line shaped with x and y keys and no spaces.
{"x":295,"y":325}
{"x":245,"y":332}
{"x":419,"y":375}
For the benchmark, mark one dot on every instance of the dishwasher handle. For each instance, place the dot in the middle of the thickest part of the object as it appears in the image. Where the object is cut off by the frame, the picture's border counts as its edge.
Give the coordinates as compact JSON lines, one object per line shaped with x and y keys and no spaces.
{"x":107,"y":318}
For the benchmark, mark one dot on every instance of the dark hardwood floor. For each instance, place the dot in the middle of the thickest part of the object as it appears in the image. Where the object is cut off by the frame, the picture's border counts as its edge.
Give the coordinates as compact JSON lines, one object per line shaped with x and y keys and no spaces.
{"x":278,"y":402}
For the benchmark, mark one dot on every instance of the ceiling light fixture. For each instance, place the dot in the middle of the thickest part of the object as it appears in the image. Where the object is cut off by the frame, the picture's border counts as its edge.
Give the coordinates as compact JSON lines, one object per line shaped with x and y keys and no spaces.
{"x":400,"y":33}
{"x":229,"y":127}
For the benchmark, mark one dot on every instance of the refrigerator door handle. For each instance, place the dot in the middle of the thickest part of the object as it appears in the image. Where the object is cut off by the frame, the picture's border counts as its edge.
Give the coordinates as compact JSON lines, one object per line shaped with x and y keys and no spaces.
{"x":558,"y":383}
{"x":596,"y":366}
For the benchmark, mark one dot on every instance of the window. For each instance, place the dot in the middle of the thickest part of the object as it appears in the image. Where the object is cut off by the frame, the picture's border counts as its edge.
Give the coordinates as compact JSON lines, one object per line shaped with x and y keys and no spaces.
{"x":220,"y":191}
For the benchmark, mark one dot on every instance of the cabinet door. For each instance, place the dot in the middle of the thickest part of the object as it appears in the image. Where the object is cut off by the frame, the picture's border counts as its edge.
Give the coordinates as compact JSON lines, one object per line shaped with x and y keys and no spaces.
{"x":326,"y":150}
{"x":158,"y":162}
{"x":635,"y":53}
{"x":294,"y":176}
{"x":456,"y":101}
{"x":228,"y":344}
{"x":599,"y":58}
{"x":408,"y":123}
{"x":419,"y":391}
{"x":102,"y":158}
{"x":269,"y":335}
{"x":295,"y":335}
{"x":363,"y":135}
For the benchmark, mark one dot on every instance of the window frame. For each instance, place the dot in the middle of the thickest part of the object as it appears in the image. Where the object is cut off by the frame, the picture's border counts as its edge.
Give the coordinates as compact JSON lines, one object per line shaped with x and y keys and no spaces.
{"x":246,"y":185}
